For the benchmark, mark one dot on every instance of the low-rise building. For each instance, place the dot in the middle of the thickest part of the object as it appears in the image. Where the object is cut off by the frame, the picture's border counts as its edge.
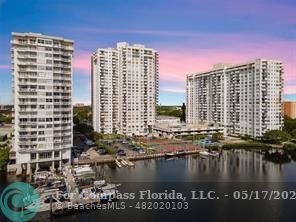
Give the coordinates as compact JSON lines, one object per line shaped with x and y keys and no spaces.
{"x":184,"y":129}
{"x":290,"y":109}
{"x":5,"y":109}
{"x":167,"y":120}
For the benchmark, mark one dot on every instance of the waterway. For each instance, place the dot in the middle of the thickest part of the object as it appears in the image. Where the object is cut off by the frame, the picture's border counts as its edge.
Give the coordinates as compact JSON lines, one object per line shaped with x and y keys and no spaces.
{"x":222,"y":178}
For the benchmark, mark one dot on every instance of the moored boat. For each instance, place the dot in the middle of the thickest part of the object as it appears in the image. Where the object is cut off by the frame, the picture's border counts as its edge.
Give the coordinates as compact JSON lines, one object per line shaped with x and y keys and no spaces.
{"x":214,"y":153}
{"x":180,"y":152}
{"x":204,"y":153}
{"x":170,"y":154}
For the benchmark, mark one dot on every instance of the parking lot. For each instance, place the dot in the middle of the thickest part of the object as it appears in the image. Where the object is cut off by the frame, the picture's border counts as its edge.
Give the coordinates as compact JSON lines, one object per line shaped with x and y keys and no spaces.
{"x":105,"y":150}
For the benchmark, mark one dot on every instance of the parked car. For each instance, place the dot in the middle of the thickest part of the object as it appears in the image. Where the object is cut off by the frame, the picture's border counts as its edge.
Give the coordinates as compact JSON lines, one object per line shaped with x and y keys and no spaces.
{"x":136,"y":149}
{"x":89,"y":142}
{"x":141,"y":151}
{"x":102,"y":151}
{"x":84,"y":154}
{"x":121,"y":152}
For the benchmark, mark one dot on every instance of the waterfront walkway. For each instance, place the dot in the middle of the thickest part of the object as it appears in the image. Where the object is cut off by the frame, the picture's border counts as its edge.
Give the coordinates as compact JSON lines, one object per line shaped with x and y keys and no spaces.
{"x":101,"y":159}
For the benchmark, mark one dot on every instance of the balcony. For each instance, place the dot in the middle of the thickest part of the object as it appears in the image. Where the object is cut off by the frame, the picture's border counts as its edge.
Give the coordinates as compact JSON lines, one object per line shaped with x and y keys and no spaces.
{"x":27,"y":143}
{"x":27,"y":56}
{"x":28,"y":123}
{"x":63,"y":128}
{"x":27,"y":103}
{"x":27,"y":110}
{"x":28,"y":136}
{"x":26,"y":114}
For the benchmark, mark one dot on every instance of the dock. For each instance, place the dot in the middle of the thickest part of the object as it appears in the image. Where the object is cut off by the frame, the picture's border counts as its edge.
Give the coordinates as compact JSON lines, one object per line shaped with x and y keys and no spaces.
{"x":76,"y":199}
{"x":129,"y":159}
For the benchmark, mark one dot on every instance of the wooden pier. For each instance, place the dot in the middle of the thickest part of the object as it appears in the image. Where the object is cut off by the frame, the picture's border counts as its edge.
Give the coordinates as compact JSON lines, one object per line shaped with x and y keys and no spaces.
{"x":131,"y":158}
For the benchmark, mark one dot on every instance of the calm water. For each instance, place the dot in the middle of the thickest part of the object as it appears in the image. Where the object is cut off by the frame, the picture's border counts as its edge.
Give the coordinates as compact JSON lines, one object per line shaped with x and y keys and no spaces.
{"x":233,"y":171}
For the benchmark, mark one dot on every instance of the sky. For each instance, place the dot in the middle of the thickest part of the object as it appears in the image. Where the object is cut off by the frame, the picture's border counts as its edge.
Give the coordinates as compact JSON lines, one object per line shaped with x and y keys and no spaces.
{"x":189,"y":35}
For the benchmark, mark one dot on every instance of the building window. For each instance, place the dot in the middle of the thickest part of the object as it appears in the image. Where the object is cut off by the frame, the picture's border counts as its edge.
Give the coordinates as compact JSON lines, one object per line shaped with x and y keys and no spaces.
{"x":45,"y":155}
{"x":56,"y":154}
{"x":33,"y":156}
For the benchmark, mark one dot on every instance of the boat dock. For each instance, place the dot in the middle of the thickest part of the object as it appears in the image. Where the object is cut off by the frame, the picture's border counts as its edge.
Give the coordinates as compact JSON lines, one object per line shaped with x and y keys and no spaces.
{"x":78,"y":186}
{"x":127,"y":160}
{"x":74,"y":198}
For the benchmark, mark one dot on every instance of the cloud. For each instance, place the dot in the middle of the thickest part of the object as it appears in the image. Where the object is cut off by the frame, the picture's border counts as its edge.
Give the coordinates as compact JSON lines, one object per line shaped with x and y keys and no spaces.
{"x":200,"y":54}
{"x":176,"y":62}
{"x":82,"y":62}
{"x":290,"y":89}
{"x":172,"y":90}
{"x":5,"y":66}
{"x":212,"y":37}
{"x":143,"y":32}
{"x":81,"y":101}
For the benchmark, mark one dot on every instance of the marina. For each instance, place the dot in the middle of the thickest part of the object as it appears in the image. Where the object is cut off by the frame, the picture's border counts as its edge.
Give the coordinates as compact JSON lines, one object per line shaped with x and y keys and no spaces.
{"x":128,"y":161}
{"x":75,"y":186}
{"x":147,"y":111}
{"x":232,"y":170}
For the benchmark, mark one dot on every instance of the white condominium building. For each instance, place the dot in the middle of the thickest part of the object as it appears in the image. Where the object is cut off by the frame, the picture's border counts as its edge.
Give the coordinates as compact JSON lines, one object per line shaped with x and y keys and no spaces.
{"x":245,"y":99}
{"x":124,"y":89}
{"x":42,"y":89}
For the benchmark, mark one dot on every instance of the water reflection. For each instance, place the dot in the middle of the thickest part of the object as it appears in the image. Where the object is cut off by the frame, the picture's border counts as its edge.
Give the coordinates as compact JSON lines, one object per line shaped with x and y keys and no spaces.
{"x":233,"y":170}
{"x":238,"y":165}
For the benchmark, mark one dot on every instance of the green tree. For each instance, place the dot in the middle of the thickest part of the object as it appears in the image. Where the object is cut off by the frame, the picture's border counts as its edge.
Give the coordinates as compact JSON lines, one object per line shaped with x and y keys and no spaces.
{"x":169,"y":111}
{"x":4,"y":158}
{"x":76,"y":120}
{"x":293,"y":133}
{"x":109,"y":149}
{"x":217,"y":136}
{"x":276,"y":136}
{"x":96,"y":136}
{"x":289,"y":124}
{"x":83,"y":128}
{"x":5,"y":119}
{"x":83,"y":113}
{"x":246,"y":137}
{"x":3,"y":138}
{"x":183,"y":116}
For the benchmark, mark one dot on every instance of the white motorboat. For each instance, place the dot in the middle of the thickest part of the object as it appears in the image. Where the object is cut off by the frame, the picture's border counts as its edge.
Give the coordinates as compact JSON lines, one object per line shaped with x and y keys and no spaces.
{"x":170,"y":154}
{"x":44,"y":203}
{"x":83,"y":170}
{"x":99,"y":182}
{"x":214,"y":153}
{"x":204,"y":153}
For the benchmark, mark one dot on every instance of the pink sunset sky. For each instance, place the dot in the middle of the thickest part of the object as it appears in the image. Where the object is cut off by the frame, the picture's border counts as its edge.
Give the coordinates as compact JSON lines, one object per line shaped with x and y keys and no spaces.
{"x":176,"y":61}
{"x":189,"y":35}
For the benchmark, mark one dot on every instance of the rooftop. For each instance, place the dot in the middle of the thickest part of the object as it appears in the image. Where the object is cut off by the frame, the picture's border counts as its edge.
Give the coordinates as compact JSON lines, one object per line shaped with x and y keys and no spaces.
{"x":32,"y":34}
{"x":220,"y":66}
